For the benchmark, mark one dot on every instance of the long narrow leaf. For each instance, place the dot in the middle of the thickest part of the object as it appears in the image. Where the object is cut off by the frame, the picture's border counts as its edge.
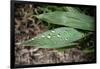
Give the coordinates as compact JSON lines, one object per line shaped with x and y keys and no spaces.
{"x":74,"y":20}
{"x":60,"y":37}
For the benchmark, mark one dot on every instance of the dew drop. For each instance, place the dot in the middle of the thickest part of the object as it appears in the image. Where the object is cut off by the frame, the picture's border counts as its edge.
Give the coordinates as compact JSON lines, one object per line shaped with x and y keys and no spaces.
{"x":66,"y":39}
{"x":32,"y":38}
{"x":48,"y":36}
{"x":58,"y":35}
{"x":42,"y":36}
{"x":52,"y":31}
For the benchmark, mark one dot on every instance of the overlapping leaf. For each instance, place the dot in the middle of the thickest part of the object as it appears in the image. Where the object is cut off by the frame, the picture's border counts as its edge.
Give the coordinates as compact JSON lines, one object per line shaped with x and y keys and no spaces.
{"x":73,"y":9}
{"x":60,"y":37}
{"x":71,"y":19}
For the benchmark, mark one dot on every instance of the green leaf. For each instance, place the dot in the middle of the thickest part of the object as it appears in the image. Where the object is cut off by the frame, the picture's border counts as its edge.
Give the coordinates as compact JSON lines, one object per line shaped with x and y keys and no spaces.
{"x":88,"y":50}
{"x":57,"y":38}
{"x":73,"y":9}
{"x":71,"y":19}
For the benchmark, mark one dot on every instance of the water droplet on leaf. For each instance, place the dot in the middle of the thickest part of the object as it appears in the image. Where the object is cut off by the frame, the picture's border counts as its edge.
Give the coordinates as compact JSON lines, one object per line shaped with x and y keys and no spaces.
{"x":66,"y":39}
{"x":58,"y":35}
{"x":42,"y":36}
{"x":52,"y":31}
{"x":32,"y":38}
{"x":48,"y":36}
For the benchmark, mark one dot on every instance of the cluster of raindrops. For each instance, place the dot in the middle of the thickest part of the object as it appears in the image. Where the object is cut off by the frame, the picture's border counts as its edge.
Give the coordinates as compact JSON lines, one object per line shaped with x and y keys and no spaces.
{"x":49,"y":36}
